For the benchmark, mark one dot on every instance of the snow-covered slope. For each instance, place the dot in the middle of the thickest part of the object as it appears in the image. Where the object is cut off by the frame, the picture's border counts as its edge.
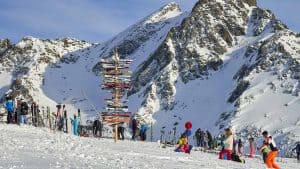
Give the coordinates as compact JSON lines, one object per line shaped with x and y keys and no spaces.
{"x":29,"y":147}
{"x":227,"y":63}
{"x":216,"y":70}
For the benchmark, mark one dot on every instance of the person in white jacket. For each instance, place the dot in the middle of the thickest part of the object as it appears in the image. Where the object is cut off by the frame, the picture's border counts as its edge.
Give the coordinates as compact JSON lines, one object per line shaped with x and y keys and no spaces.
{"x":227,"y":145}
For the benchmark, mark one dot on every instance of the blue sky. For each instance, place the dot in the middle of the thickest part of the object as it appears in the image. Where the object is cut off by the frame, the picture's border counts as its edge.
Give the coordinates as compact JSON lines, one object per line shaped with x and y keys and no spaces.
{"x":99,"y":20}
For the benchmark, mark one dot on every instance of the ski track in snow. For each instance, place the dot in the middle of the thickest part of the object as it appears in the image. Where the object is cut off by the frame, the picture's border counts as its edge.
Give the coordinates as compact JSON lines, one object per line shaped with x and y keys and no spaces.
{"x":27,"y":147}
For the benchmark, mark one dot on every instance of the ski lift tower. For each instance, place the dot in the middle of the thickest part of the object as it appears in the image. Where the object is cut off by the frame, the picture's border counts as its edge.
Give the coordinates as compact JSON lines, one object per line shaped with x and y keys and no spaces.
{"x":117,"y":81}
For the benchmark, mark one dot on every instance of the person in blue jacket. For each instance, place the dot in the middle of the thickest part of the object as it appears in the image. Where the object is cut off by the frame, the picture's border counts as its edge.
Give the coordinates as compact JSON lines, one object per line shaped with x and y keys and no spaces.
{"x":143,"y":131}
{"x":10,"y":109}
{"x":75,"y":125}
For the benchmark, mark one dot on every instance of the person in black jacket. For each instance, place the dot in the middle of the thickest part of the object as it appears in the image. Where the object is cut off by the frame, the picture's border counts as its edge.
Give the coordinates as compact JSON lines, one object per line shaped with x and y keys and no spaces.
{"x":24,"y":112}
{"x":297,"y":148}
{"x":97,"y":127}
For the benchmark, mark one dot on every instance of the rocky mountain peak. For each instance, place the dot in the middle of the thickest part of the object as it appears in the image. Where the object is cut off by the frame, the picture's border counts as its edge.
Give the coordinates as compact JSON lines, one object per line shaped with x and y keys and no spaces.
{"x":164,"y":13}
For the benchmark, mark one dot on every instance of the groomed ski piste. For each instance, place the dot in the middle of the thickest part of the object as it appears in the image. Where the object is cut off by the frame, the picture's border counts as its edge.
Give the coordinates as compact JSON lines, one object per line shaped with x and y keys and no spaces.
{"x":27,"y":147}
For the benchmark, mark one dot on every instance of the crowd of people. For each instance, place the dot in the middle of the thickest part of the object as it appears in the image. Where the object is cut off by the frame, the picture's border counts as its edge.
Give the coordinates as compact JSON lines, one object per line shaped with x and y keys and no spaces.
{"x":230,"y":148}
{"x":18,"y":110}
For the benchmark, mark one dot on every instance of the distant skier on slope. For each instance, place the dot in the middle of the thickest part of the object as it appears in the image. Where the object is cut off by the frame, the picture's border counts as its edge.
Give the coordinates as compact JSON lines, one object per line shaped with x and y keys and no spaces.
{"x":10,"y":109}
{"x":297,"y":148}
{"x":269,"y":141}
{"x":74,"y":122}
{"x":228,"y":145}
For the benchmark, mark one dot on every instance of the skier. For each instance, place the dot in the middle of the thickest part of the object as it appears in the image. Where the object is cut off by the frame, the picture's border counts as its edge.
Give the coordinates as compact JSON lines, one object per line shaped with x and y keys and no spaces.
{"x":269,"y":141}
{"x":197,"y":136}
{"x":97,"y":127}
{"x":252,"y":147}
{"x":10,"y":109}
{"x":134,"y":127}
{"x":240,"y":147}
{"x":297,"y":148}
{"x":143,"y":131}
{"x":74,"y":122}
{"x":228,"y":145}
{"x":24,"y":112}
{"x":121,"y":129}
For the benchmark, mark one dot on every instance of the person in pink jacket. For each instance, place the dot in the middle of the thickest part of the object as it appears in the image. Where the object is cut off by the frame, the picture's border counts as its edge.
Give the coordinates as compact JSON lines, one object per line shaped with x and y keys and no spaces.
{"x":227,"y":145}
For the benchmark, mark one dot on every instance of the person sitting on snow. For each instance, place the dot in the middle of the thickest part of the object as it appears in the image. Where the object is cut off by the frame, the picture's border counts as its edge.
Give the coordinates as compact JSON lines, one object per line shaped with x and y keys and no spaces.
{"x":183,"y":145}
{"x":228,"y":145}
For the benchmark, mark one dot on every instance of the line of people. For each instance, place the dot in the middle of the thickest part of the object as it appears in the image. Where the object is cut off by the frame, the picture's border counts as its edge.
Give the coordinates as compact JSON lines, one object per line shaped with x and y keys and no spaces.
{"x":18,"y":109}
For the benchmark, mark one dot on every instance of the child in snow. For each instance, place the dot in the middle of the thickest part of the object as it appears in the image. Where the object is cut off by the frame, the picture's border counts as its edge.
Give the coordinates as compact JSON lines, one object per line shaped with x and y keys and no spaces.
{"x":269,"y":141}
{"x":183,"y":145}
{"x":228,"y":145}
{"x":297,"y":148}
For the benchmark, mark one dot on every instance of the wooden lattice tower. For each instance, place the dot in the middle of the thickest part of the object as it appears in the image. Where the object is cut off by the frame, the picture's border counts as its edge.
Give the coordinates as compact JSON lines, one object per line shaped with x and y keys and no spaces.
{"x":117,"y":81}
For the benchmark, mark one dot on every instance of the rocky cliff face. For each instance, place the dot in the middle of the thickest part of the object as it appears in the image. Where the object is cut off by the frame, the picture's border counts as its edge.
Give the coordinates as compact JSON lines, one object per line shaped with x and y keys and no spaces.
{"x":212,"y":38}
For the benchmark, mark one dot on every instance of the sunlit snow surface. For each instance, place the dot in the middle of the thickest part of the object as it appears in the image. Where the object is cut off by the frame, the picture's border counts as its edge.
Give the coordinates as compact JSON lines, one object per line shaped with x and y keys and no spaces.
{"x":27,"y":147}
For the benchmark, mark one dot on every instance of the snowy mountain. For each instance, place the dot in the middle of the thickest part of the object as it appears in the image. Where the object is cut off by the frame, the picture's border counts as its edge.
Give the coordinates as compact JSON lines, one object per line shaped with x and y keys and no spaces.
{"x":225,"y":63}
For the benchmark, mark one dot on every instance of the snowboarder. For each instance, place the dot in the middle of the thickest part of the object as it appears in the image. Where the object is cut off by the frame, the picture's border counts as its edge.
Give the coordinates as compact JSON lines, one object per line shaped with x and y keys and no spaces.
{"x":134,"y":127}
{"x":252,"y":147}
{"x":297,"y":148}
{"x":198,"y":136}
{"x":24,"y":112}
{"x":269,"y":141}
{"x":97,"y":127}
{"x":143,"y":131}
{"x":10,"y":109}
{"x":228,"y":145}
{"x":74,"y":122}
{"x":240,"y":147}
{"x":121,"y":129}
